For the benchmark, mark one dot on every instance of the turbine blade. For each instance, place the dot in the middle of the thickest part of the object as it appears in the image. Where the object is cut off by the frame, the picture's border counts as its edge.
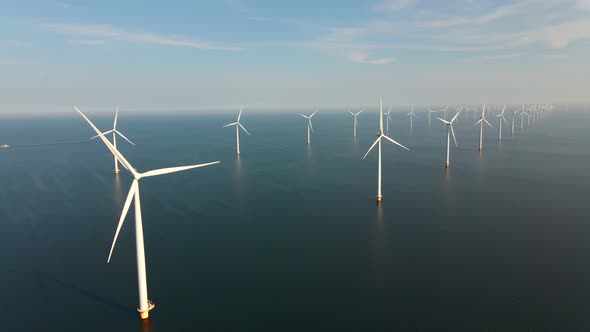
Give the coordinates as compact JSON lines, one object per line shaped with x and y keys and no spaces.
{"x":312,"y":114}
{"x":116,"y":116}
{"x":113,"y":150}
{"x":394,"y":142}
{"x":239,"y":124}
{"x":106,"y":132}
{"x":478,"y":122}
{"x":352,"y":113}
{"x":453,"y":132}
{"x":132,"y":192}
{"x":489,"y":124}
{"x":305,"y":116}
{"x":125,"y":138}
{"x":361,"y":111}
{"x":163,"y":171}
{"x":504,"y":119}
{"x":230,"y":124}
{"x":456,"y":115}
{"x":240,"y":114}
{"x":310,"y":125}
{"x":444,"y":121}
{"x":372,"y":146}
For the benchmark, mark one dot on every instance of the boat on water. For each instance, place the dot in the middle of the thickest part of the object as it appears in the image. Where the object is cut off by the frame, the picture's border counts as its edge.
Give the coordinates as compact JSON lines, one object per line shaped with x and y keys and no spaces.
{"x":4,"y":146}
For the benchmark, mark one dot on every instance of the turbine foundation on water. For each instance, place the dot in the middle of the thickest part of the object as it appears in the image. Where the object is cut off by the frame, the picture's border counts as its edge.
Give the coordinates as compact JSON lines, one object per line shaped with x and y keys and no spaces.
{"x":145,"y":314}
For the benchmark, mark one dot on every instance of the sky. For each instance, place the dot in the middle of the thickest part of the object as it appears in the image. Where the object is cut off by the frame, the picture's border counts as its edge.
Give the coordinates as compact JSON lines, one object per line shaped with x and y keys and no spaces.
{"x":164,"y":55}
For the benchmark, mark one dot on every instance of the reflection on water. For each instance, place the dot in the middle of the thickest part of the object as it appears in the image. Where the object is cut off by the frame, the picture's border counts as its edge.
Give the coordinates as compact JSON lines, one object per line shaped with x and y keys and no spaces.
{"x":146,"y":325}
{"x":117,"y":193}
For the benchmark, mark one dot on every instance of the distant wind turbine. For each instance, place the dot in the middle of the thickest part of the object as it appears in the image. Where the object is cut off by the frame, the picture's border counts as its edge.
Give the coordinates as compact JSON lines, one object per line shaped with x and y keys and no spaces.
{"x":522,"y":114}
{"x":378,"y":140}
{"x":513,"y":118}
{"x":480,"y":122}
{"x":145,"y":305}
{"x":238,"y":126}
{"x":309,"y":125}
{"x":449,"y":132}
{"x":500,"y":119}
{"x":412,"y":116}
{"x":387,"y":119}
{"x":115,"y":133}
{"x":430,"y":111}
{"x":355,"y":123}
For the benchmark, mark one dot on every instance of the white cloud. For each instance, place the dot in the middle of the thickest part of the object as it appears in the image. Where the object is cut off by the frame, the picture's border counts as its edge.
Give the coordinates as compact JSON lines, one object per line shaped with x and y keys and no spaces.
{"x":106,"y":31}
{"x":392,"y":5}
{"x":360,"y":57}
{"x":88,"y":41}
{"x":584,"y":4}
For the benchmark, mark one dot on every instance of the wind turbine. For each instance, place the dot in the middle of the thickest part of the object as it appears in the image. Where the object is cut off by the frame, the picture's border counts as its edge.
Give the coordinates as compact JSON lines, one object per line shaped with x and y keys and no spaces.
{"x":412,"y":116}
{"x":238,"y":126}
{"x":482,"y":119}
{"x":513,"y":118}
{"x":449,"y":132}
{"x":309,"y":126}
{"x":115,"y":133}
{"x":355,"y":123}
{"x":500,"y":119}
{"x":522,"y":114}
{"x":430,"y":111}
{"x":444,"y":111}
{"x":378,"y":140}
{"x":388,"y":117}
{"x":145,"y":305}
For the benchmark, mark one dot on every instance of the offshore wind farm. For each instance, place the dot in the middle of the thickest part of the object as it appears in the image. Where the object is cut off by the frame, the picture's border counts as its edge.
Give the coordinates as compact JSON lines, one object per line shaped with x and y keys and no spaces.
{"x":347,"y":166}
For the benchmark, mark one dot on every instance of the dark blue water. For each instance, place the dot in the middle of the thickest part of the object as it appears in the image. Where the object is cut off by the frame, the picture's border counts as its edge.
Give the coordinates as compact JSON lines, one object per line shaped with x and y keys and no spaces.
{"x":288,"y":237}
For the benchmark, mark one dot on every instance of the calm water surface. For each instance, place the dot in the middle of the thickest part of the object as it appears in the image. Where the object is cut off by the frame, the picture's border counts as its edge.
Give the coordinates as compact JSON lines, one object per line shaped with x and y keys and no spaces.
{"x":288,"y":237}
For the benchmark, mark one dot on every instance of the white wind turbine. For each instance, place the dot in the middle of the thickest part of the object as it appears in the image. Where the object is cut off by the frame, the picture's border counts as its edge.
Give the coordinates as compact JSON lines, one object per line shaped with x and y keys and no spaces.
{"x":482,"y":119}
{"x":444,"y":111}
{"x":522,"y":114}
{"x":309,"y":125}
{"x":145,"y":305}
{"x":355,"y":123}
{"x":115,"y":133}
{"x":387,"y":119}
{"x":378,"y":140}
{"x":430,"y":111}
{"x":449,"y":132}
{"x":238,"y":126}
{"x":500,"y":119}
{"x":412,"y":116}
{"x":513,"y":118}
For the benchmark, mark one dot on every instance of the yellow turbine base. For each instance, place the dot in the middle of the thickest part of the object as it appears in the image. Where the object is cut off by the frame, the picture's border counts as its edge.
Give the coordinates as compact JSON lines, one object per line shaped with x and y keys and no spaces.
{"x":146,"y":314}
{"x":379,"y":199}
{"x":117,"y":172}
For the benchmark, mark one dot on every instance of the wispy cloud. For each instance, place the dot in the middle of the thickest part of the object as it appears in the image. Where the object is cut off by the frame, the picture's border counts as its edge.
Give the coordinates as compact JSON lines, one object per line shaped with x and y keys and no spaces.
{"x":88,"y":41}
{"x":392,"y":5}
{"x":360,"y":57}
{"x":498,"y":13}
{"x":109,"y":32}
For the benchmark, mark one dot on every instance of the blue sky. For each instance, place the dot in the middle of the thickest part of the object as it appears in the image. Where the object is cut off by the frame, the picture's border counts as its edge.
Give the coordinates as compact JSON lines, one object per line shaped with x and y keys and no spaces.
{"x":157,"y":55}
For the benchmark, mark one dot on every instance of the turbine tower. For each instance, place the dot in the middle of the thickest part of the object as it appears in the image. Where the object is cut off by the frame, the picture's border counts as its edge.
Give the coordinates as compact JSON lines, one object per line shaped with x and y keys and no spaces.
{"x":309,"y":125}
{"x":115,"y":133}
{"x":412,"y":116}
{"x":145,"y":305}
{"x":378,"y":141}
{"x":482,"y":119}
{"x":500,"y":119}
{"x":449,"y":132}
{"x":355,"y":123}
{"x":238,"y":126}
